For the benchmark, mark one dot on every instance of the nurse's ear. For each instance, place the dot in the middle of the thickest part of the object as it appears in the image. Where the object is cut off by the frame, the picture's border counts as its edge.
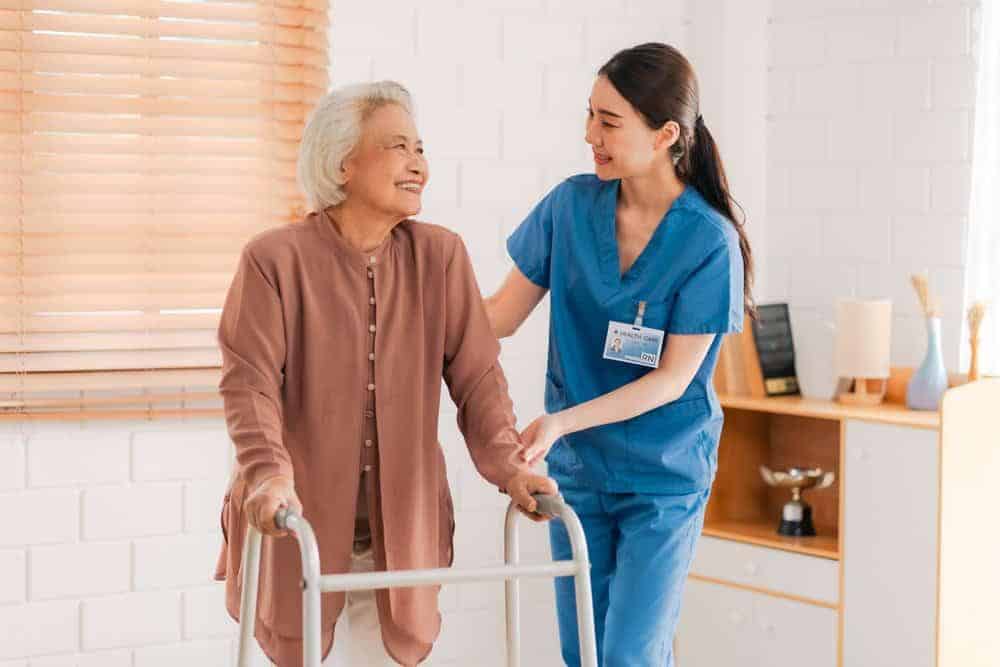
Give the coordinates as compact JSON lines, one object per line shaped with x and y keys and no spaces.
{"x":667,"y":135}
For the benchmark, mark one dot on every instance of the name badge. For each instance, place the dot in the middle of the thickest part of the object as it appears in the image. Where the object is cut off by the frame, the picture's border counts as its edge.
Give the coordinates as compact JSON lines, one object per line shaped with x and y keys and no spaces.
{"x":634,"y":343}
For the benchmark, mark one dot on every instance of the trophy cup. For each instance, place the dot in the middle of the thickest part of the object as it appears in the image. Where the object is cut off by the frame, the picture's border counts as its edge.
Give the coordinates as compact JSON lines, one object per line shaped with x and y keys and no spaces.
{"x":796,"y":514}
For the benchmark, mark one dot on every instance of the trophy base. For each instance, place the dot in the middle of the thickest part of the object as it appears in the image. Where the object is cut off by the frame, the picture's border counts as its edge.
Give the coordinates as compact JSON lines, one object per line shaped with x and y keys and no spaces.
{"x":799,"y":527}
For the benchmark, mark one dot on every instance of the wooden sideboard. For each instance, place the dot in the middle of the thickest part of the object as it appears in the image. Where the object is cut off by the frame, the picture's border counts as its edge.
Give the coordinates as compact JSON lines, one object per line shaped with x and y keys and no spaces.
{"x":905,"y":569}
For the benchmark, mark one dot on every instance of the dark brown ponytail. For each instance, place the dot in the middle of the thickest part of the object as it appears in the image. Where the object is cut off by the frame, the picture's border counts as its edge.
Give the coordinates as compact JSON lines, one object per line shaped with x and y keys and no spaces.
{"x":659,"y":82}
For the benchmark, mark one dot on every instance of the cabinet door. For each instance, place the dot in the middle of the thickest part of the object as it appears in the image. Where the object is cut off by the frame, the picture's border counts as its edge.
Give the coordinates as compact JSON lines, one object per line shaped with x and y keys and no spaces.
{"x":714,"y":627}
{"x":792,"y":634}
{"x":889,"y":545}
{"x":722,"y":626}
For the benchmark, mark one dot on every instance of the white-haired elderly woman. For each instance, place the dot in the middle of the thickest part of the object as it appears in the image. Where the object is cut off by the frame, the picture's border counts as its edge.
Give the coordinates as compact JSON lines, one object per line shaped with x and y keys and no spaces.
{"x":335,"y":335}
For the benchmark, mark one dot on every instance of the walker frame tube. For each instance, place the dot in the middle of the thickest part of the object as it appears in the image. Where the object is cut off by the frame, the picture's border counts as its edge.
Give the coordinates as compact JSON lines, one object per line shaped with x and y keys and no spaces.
{"x":313,"y":583}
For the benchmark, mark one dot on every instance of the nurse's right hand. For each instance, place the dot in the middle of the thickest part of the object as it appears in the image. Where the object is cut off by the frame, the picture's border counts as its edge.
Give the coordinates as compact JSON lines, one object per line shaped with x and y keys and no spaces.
{"x":271,"y":495}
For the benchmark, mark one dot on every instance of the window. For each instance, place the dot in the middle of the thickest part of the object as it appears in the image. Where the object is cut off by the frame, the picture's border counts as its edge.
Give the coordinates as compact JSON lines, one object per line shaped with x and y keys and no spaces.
{"x":142,"y":142}
{"x":982,"y":280}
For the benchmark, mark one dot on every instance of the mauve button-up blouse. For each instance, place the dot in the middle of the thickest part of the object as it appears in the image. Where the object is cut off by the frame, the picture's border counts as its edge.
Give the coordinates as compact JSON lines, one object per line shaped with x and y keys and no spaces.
{"x":299,"y":381}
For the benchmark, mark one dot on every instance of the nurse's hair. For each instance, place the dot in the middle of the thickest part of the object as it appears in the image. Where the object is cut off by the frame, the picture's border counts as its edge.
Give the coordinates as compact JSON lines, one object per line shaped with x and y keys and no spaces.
{"x":660,"y":83}
{"x":334,"y":130}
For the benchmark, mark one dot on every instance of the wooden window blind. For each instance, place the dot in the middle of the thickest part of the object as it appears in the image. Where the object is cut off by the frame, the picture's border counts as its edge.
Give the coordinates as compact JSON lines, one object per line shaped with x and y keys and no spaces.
{"x":142,"y":142}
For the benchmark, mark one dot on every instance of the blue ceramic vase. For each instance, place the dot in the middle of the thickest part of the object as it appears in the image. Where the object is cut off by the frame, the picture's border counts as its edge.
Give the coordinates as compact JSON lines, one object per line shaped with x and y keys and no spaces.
{"x":929,"y":383}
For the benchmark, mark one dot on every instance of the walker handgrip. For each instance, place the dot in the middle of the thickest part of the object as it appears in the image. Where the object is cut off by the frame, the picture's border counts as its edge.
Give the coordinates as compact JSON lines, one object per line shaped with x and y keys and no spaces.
{"x":549,"y":504}
{"x":281,"y":517}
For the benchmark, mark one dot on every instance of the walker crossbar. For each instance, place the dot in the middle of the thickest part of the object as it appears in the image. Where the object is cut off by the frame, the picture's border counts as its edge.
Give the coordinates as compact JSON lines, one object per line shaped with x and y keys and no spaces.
{"x":313,"y":583}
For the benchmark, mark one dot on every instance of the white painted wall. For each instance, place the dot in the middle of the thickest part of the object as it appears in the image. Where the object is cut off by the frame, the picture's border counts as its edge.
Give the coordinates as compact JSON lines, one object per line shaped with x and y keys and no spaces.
{"x":869,"y":130}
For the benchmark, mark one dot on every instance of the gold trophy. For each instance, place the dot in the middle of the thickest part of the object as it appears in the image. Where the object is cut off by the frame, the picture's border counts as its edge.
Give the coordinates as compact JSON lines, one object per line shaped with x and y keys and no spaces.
{"x":796,"y":514}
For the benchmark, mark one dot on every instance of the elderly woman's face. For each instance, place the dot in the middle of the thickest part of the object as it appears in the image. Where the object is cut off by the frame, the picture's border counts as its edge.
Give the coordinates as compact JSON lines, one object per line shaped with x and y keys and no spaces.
{"x":388,"y":171}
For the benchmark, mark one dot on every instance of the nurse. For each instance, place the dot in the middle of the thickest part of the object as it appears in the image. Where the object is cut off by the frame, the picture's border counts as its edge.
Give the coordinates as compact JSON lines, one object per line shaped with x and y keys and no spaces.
{"x":648,"y":267}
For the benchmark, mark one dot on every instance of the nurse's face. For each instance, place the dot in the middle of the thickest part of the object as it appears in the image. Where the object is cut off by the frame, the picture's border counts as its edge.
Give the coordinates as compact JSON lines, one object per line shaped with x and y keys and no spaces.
{"x":623,"y":144}
{"x":387,"y":171}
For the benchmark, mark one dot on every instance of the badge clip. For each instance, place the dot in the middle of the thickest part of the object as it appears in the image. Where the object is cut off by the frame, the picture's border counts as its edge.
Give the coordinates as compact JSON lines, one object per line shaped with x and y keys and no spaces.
{"x":639,"y":315}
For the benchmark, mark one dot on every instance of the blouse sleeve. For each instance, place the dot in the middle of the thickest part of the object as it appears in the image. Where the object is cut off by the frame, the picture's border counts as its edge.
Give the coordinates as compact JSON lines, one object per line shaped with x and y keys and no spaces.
{"x":251,"y":337}
{"x":530,"y":245}
{"x":475,"y":380}
{"x":710,"y":300}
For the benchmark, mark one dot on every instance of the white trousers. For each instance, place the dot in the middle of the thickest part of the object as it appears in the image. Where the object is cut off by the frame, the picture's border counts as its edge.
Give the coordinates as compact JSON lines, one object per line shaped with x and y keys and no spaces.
{"x":357,"y":638}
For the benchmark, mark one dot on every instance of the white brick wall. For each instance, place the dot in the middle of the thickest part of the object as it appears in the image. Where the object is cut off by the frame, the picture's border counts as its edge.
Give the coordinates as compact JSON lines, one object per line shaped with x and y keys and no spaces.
{"x":868,"y":165}
{"x":111,"y":529}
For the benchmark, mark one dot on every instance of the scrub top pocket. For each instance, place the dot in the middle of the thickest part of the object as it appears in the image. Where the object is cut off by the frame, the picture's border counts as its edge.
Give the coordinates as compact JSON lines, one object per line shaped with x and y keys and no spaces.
{"x":555,"y":395}
{"x":671,"y":438}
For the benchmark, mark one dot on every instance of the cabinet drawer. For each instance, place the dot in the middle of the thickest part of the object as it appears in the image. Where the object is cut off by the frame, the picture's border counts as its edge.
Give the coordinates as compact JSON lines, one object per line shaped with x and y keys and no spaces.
{"x":771,"y":569}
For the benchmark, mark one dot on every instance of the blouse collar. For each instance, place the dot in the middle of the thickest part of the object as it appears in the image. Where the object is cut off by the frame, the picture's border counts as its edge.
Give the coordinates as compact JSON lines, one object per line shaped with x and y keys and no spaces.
{"x":345,"y":249}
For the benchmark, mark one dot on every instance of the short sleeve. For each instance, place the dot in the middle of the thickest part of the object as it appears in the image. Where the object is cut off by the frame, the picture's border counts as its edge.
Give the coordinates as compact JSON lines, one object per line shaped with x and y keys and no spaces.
{"x":710,"y":300}
{"x":530,"y":246}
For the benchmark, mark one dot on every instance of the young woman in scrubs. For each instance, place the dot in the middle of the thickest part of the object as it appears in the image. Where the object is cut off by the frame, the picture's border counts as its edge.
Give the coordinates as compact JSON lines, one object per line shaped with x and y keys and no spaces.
{"x":648,"y":267}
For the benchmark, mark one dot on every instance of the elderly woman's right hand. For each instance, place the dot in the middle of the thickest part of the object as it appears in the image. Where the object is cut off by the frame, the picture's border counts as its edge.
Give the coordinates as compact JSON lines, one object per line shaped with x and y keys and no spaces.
{"x":270,"y":496}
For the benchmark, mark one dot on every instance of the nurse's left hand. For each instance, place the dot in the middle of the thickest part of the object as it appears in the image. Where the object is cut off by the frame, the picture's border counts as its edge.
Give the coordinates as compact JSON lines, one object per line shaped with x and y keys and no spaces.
{"x":539,"y":436}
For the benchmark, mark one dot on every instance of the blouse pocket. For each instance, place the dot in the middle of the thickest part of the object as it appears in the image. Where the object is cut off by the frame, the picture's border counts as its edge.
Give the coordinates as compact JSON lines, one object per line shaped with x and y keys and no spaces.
{"x":446,"y":524}
{"x":231,"y":521}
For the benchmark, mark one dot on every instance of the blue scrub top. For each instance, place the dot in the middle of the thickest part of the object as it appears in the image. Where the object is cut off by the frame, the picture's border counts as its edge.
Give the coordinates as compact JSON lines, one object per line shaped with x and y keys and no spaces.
{"x":691,"y":276}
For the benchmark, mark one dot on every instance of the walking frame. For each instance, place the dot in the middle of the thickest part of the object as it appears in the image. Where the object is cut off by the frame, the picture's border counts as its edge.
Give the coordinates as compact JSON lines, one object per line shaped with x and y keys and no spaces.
{"x":313,"y":583}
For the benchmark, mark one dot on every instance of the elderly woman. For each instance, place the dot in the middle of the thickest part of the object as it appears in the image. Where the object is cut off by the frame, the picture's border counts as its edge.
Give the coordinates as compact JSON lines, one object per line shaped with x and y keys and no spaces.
{"x":335,"y":335}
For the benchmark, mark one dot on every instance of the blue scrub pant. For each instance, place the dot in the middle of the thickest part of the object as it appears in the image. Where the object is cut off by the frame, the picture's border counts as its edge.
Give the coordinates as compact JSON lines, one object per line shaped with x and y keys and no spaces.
{"x":641,"y":547}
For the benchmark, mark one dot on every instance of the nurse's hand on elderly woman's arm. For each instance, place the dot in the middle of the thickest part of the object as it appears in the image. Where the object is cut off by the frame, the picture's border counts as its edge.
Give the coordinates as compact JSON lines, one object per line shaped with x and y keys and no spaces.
{"x":682,"y":357}
{"x":263,"y":504}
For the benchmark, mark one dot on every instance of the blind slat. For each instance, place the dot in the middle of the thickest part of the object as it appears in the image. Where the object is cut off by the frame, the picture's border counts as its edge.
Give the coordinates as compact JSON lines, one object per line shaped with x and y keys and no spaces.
{"x":137,"y":26}
{"x":44,"y":362}
{"x":11,"y":344}
{"x":112,"y":300}
{"x":118,"y":380}
{"x":115,"y":322}
{"x":94,"y":65}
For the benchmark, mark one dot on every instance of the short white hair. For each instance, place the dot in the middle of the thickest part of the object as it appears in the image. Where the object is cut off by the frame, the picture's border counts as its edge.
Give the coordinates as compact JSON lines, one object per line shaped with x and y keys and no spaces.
{"x":334,"y":130}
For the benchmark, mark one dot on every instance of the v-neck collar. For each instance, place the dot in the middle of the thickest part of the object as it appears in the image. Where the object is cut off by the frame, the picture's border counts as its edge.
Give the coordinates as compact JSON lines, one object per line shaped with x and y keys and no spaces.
{"x":603,"y":219}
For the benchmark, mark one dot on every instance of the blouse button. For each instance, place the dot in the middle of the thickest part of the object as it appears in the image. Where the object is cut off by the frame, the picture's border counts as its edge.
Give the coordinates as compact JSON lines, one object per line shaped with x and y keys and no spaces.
{"x":371,"y":327}
{"x":371,"y":355}
{"x":371,"y":387}
{"x":368,"y":468}
{"x":369,"y":414}
{"x":368,"y":443}
{"x":371,"y":275}
{"x":371,"y":299}
{"x":372,"y":259}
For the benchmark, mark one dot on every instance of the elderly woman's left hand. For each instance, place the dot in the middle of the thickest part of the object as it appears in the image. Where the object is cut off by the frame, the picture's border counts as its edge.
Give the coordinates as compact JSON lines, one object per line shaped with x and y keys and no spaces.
{"x":521,"y":486}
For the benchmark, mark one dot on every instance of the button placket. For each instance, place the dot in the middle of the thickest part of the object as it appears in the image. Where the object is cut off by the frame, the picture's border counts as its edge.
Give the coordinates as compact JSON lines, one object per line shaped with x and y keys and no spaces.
{"x":368,"y":452}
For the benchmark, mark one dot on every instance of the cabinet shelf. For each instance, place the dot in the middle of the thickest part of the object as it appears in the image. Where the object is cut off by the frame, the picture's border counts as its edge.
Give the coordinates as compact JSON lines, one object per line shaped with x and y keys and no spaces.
{"x":765,"y":534}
